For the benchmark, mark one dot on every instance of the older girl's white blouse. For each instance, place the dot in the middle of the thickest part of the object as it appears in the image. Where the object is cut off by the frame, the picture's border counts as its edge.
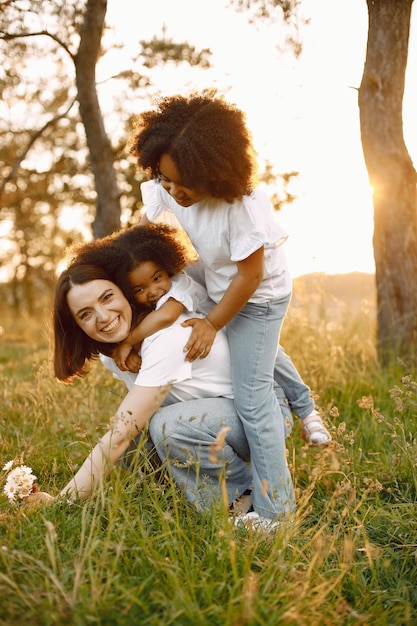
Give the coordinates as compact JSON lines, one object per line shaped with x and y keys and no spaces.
{"x":224,"y":233}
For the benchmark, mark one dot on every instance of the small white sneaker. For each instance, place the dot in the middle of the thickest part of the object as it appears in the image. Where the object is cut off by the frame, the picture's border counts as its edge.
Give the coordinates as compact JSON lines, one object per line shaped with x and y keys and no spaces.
{"x":255,"y":521}
{"x":313,"y":431}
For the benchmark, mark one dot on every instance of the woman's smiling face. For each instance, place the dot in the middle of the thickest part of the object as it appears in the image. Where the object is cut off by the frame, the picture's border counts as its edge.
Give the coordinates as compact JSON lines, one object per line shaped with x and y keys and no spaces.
{"x":101,"y":310}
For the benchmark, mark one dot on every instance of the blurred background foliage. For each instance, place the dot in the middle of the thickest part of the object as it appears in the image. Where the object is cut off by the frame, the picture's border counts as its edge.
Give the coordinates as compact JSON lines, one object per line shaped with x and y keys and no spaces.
{"x":47,"y":187}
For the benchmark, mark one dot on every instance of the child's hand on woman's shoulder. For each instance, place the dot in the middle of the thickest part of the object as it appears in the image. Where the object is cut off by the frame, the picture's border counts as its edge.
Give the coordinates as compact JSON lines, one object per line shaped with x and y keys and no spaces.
{"x":133,"y":362}
{"x":120,"y":354}
{"x":127,"y":358}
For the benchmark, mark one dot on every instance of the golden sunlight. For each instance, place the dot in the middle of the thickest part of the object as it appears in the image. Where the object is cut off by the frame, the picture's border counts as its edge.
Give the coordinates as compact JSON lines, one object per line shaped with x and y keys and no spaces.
{"x":303,"y":113}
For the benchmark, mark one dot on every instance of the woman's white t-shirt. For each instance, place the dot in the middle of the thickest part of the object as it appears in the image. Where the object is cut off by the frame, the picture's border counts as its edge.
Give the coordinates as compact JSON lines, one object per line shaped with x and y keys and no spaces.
{"x":163,"y":363}
{"x":224,"y":233}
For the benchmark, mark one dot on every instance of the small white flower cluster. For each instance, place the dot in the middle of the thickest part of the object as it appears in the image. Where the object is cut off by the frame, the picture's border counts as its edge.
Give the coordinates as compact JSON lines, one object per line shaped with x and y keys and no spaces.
{"x":19,"y":483}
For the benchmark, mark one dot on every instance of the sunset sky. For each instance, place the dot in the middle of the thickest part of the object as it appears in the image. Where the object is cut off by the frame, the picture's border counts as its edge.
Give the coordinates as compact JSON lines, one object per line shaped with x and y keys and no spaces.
{"x":303,"y":113}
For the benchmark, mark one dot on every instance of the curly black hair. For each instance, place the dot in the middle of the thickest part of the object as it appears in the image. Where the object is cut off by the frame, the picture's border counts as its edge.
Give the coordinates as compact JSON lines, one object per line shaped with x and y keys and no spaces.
{"x":120,"y":253}
{"x":206,"y":137}
{"x":159,"y":243}
{"x":101,"y":253}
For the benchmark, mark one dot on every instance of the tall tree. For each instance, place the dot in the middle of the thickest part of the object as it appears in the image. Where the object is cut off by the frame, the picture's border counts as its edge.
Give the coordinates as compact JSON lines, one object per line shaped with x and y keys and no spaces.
{"x":392,"y":177}
{"x":107,"y":218}
{"x":66,"y":24}
{"x":390,"y":169}
{"x":45,"y":166}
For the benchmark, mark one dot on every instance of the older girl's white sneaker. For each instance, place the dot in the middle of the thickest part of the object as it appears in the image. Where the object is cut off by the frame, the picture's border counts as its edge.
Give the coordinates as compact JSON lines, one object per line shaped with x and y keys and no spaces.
{"x":253,"y":520}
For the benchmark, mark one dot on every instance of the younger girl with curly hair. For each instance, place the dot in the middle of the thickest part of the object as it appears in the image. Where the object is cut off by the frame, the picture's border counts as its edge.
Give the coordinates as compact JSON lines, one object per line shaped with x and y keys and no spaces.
{"x":199,"y":154}
{"x":153,"y":266}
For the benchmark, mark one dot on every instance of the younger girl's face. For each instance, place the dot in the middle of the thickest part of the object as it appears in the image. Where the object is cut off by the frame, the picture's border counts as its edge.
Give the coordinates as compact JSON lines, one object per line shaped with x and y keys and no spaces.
{"x":100,"y":310}
{"x":149,"y":283}
{"x":171,"y":182}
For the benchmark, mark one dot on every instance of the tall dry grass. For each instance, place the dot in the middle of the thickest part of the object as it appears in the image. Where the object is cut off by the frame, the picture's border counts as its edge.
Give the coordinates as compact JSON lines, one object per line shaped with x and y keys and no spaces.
{"x":137,"y":553}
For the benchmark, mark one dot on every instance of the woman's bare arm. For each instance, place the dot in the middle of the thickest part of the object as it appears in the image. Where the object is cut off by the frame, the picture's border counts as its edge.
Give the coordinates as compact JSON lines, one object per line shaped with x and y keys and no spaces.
{"x":134,"y":412}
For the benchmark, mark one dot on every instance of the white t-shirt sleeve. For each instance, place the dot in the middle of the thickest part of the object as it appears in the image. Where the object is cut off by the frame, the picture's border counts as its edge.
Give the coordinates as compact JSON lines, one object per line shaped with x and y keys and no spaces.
{"x":154,"y":206}
{"x":127,"y":377}
{"x":252,"y":226}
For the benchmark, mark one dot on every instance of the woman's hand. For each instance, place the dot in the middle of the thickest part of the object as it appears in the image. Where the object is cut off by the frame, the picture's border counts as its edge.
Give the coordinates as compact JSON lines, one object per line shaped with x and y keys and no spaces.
{"x":201,"y":339}
{"x":37,"y":499}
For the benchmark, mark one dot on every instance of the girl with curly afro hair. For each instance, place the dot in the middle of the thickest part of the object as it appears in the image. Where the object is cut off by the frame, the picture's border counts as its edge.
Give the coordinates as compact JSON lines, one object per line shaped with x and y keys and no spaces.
{"x":198,"y":152}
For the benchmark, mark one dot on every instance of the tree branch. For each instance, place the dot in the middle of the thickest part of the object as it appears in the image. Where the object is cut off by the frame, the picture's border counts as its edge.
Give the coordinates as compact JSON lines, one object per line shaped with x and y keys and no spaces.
{"x":29,"y":145}
{"x":44,"y":33}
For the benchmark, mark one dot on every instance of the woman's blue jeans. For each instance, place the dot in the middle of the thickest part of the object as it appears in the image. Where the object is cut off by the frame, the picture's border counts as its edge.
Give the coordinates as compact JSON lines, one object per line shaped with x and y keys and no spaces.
{"x":203,"y":459}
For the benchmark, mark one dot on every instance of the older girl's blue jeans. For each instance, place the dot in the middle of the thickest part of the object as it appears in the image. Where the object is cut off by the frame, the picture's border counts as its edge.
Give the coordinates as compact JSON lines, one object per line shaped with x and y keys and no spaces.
{"x":292,"y":392}
{"x":253,"y":336}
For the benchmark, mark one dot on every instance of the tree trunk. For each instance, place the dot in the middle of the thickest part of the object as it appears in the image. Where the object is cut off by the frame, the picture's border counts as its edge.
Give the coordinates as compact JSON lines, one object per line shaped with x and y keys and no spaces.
{"x":392,"y":177}
{"x":107,"y":218}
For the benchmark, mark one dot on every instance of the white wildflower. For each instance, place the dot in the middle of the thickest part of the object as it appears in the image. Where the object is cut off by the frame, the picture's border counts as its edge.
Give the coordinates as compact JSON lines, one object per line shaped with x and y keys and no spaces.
{"x":8,"y":466}
{"x":19,"y":483}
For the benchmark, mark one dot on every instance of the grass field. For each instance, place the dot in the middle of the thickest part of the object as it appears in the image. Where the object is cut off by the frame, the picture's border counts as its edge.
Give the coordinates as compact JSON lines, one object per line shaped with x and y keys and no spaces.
{"x":138,"y":554}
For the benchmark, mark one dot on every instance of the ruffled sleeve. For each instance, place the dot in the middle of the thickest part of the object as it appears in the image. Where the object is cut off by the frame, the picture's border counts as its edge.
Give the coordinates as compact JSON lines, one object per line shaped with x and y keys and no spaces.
{"x":158,"y":204}
{"x":252,"y":225}
{"x":183,"y":290}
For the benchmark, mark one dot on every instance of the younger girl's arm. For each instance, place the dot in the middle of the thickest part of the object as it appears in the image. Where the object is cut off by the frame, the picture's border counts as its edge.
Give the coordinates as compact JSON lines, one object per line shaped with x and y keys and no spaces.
{"x":136,"y":409}
{"x":150,"y":324}
{"x":249,"y":275}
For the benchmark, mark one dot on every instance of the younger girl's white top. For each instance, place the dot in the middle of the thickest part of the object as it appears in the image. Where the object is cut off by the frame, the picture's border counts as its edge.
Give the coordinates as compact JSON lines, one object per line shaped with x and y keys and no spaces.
{"x":224,"y":233}
{"x":189,"y":292}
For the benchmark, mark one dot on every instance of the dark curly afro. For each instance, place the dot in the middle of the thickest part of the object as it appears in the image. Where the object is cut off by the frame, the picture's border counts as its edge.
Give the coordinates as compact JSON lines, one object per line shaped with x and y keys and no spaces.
{"x":120,"y":253}
{"x":206,"y":137}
